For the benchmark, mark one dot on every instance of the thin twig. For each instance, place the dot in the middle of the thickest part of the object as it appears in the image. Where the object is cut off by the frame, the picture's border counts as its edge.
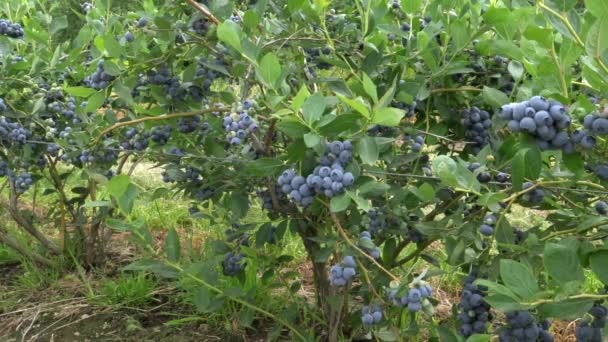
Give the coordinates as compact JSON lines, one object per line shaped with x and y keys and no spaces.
{"x":203,"y":10}
{"x":158,"y":118}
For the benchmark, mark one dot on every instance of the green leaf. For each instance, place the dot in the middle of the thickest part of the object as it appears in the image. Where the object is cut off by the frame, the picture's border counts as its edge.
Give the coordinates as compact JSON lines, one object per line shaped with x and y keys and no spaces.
{"x":494,"y":97}
{"x":479,"y":338}
{"x":172,"y":246}
{"x":80,"y":91}
{"x":118,"y":185}
{"x":311,"y":140}
{"x":370,"y":87}
{"x":454,"y":174}
{"x":127,"y":199}
{"x":388,"y":116}
{"x":368,"y":150}
{"x":292,"y":127}
{"x":518,"y":278}
{"x":95,"y":101}
{"x":516,"y":69}
{"x":111,"y":46}
{"x":374,"y":188}
{"x":238,"y":204}
{"x":299,"y":99}
{"x":59,"y":23}
{"x":567,"y":310}
{"x":599,"y":264}
{"x":264,"y":167}
{"x":357,"y":104}
{"x":339,"y":203}
{"x":341,"y":123}
{"x":314,"y":107}
{"x":154,"y":266}
{"x":269,"y":69}
{"x":123,"y":92}
{"x":230,"y":33}
{"x":562,"y":263}
{"x":598,"y":8}
{"x":527,"y":163}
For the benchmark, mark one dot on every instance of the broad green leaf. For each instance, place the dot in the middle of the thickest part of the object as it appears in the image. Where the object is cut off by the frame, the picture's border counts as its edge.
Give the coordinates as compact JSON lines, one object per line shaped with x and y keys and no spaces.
{"x":299,"y":99}
{"x":527,"y":163}
{"x":598,"y":8}
{"x":154,"y":266}
{"x":264,"y":167}
{"x":123,"y":92}
{"x":494,"y":97}
{"x":270,"y":69}
{"x":568,"y":309}
{"x":239,"y":204}
{"x":368,"y":150}
{"x":370,"y":87}
{"x":80,"y":91}
{"x":562,"y":263}
{"x":95,"y":101}
{"x":111,"y":46}
{"x":599,"y":264}
{"x":172,"y":246}
{"x":339,"y":203}
{"x":311,"y":140}
{"x":313,"y":108}
{"x":518,"y":278}
{"x":292,"y":127}
{"x":230,"y":33}
{"x":388,"y":116}
{"x":127,"y":199}
{"x":118,"y":185}
{"x":357,"y":104}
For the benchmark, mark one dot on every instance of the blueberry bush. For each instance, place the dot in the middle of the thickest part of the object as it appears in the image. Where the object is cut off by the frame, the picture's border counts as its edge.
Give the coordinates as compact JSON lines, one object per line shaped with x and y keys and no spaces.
{"x":395,"y":138}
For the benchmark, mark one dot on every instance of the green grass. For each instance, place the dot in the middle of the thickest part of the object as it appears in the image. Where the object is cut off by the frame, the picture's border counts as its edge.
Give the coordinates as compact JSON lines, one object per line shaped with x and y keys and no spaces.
{"x":127,"y":289}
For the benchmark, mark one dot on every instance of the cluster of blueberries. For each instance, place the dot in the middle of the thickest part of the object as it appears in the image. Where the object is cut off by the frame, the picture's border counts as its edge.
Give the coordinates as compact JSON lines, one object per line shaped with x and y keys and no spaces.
{"x":200,"y":26}
{"x":371,"y":315}
{"x":313,"y":56}
{"x":99,"y":79}
{"x":375,"y":220}
{"x":266,"y":198}
{"x":135,"y":140}
{"x":544,"y":120}
{"x":192,"y":124}
{"x":233,"y":261}
{"x":477,"y":124}
{"x":533,"y":196}
{"x":129,"y":37}
{"x":13,"y":30}
{"x":12,"y":132}
{"x":592,"y":331}
{"x":487,"y":228}
{"x":366,"y":243}
{"x":173,"y":88}
{"x":341,"y":274}
{"x":23,"y":182}
{"x":416,"y":143}
{"x":239,"y":125}
{"x":86,"y":6}
{"x":329,"y":178}
{"x":594,"y":125}
{"x":161,"y":134}
{"x":474,"y":312}
{"x":521,"y":326}
{"x":206,"y":69}
{"x":601,"y":208}
{"x":415,"y":298}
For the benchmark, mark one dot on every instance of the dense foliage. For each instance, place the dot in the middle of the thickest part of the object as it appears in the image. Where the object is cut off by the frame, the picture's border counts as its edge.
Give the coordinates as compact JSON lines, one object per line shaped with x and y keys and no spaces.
{"x":366,"y":128}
